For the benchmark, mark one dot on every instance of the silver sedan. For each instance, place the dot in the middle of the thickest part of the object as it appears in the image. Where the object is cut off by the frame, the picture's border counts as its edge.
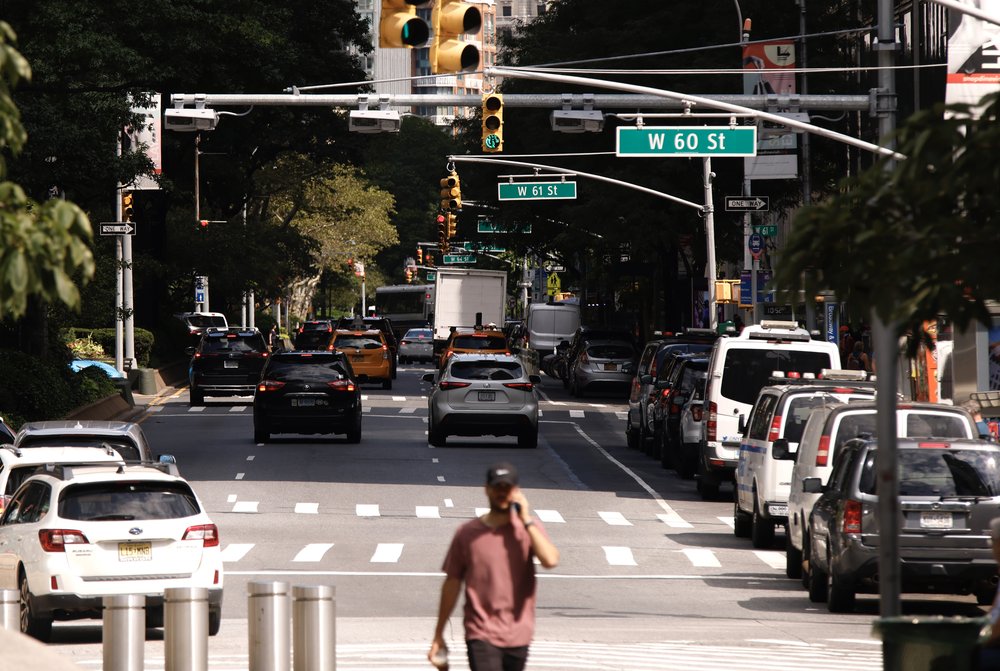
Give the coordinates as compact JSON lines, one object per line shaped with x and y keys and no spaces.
{"x":483,"y":395}
{"x":417,"y":345}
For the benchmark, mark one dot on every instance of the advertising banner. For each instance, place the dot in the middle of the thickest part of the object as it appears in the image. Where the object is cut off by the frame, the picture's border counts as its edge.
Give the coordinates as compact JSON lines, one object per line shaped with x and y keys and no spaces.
{"x":973,"y":54}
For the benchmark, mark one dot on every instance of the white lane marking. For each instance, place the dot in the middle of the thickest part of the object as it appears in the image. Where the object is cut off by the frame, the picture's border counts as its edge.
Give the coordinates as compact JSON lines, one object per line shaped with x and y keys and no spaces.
{"x":307,"y":508}
{"x":366,"y":408}
{"x":440,"y":478}
{"x":155,"y":408}
{"x":364,"y":397}
{"x":673,"y":520}
{"x":245,"y":506}
{"x":197,"y":408}
{"x":615,"y":519}
{"x":728,"y":521}
{"x":313,"y":552}
{"x":622,"y":415}
{"x":547,"y":399}
{"x":576,"y":414}
{"x":619,"y":556}
{"x":231,"y":498}
{"x":862,"y":641}
{"x":448,"y":503}
{"x":407,"y":411}
{"x":239,"y":476}
{"x":597,"y":405}
{"x":479,"y":512}
{"x":428,"y":512}
{"x":399,"y":398}
{"x":550,"y":516}
{"x":235,"y":551}
{"x":367,"y":510}
{"x":387,"y":553}
{"x":541,"y":414}
{"x":772,"y":558}
{"x":702,"y":558}
{"x":238,"y":408}
{"x":435,"y":460}
{"x":250,"y":458}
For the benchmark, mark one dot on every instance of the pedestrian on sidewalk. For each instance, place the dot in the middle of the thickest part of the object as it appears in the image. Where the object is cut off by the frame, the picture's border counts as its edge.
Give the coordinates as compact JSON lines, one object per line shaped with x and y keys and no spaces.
{"x":494,"y":556}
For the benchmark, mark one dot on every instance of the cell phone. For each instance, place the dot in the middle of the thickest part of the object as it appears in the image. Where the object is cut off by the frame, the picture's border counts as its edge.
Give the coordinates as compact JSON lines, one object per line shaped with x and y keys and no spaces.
{"x":516,"y":507}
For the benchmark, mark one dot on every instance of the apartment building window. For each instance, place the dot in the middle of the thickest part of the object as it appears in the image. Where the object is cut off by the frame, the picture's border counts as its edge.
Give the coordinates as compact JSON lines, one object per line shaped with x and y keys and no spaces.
{"x":506,"y":10}
{"x":541,"y":8}
{"x":365,"y":4}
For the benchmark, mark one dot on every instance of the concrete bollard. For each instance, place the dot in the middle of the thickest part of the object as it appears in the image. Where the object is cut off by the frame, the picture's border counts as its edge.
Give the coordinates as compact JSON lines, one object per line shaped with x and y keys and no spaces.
{"x":124,"y":638}
{"x":314,"y":628}
{"x":185,"y":628}
{"x":268,"y":626}
{"x":10,"y":610}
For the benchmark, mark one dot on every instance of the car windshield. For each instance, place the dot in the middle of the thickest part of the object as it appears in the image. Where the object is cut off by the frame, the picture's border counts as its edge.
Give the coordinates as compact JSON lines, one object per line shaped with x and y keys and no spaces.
{"x":916,"y":425}
{"x":126,"y":448}
{"x":128,"y":500}
{"x":475,"y":342}
{"x":307,"y":370}
{"x":233,"y":343}
{"x":359,"y":342}
{"x":747,"y":371}
{"x":486,"y":370}
{"x":941,"y":472}
{"x":797,"y":414}
{"x":316,"y":326}
{"x":610,"y":351}
{"x":204,"y":321}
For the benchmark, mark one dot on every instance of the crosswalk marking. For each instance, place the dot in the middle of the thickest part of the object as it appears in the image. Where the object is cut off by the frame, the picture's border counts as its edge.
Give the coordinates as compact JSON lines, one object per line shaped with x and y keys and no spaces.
{"x":312,"y":552}
{"x":479,"y":512}
{"x":238,"y":408}
{"x":366,"y":408}
{"x":577,"y":414}
{"x":618,"y":555}
{"x":427,"y":512}
{"x":408,"y":411}
{"x":622,"y":415}
{"x":398,"y":398}
{"x":235,"y":551}
{"x":197,"y":408}
{"x":367,"y":510}
{"x":245,"y":506}
{"x":772,"y":558}
{"x":387,"y":553}
{"x":702,"y":558}
{"x":673,"y":520}
{"x":550,"y":516}
{"x":728,"y":521}
{"x":615,"y":519}
{"x":307,"y":508}
{"x":155,"y":408}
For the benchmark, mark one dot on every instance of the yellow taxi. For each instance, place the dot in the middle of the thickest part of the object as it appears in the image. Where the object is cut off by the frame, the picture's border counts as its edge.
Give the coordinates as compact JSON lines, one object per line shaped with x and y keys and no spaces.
{"x":474,"y":341}
{"x":368,"y":353}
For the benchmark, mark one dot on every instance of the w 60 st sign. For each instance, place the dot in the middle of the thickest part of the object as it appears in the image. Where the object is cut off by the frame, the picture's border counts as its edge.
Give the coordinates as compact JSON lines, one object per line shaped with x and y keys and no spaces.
{"x":687,"y":141}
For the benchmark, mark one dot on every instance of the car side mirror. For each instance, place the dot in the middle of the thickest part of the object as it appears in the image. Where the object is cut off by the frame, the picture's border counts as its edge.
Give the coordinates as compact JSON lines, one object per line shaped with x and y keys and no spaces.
{"x":743,"y":424}
{"x":779,"y":450}
{"x":167,"y":459}
{"x":812,"y":485}
{"x":427,"y":377}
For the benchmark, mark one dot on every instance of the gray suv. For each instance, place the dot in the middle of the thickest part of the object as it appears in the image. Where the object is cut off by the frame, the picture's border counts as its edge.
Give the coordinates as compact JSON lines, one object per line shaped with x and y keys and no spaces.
{"x":949,"y":490}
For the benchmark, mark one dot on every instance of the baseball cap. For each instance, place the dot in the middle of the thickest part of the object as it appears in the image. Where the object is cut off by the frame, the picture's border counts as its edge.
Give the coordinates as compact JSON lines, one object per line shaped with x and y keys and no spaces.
{"x":501,"y":473}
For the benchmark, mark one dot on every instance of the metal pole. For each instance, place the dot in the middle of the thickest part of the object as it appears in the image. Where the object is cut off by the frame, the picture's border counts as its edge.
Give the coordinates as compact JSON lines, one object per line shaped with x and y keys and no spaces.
{"x":267,"y":614}
{"x":185,"y":629}
{"x":314,"y":628}
{"x":128,"y":324}
{"x":119,"y":297}
{"x":709,"y":209}
{"x":10,"y":610}
{"x":124,"y":639}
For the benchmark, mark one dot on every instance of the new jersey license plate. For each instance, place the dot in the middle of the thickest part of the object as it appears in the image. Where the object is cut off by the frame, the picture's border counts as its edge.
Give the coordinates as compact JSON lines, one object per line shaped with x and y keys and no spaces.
{"x":935,"y":520}
{"x":230,"y":364}
{"x":487,"y":396}
{"x":610,"y":366}
{"x":135,"y":551}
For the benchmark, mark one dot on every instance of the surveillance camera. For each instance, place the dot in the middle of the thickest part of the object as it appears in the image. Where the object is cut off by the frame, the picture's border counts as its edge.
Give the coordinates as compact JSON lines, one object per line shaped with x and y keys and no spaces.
{"x":374,"y":121}
{"x":190,"y":119}
{"x":577,"y":121}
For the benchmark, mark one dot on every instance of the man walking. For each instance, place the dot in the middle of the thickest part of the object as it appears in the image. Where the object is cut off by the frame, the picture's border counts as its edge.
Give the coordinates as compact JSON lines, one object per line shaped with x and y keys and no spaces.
{"x":494,"y":556}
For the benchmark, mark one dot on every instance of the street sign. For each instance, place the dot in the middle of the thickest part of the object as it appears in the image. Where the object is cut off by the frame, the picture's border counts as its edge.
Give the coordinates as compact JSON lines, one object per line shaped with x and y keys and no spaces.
{"x":686,"y":141}
{"x":755,"y":243}
{"x":553,"y":285}
{"x":768,"y":230}
{"x":487,"y":225}
{"x":117,"y":228}
{"x":199,"y":295}
{"x":431,"y":275}
{"x":748,"y":203}
{"x":459,"y":258}
{"x":479,"y":247}
{"x":536,"y":190}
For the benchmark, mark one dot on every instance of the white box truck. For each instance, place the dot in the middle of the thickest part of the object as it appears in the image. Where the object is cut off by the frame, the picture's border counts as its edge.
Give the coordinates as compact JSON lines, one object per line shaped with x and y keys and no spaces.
{"x":461,"y":295}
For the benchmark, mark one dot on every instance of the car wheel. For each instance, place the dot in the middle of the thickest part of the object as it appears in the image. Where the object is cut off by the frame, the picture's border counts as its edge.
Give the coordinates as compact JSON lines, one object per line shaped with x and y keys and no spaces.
{"x":668,"y":458}
{"x":37,"y":627}
{"x":840,"y":595}
{"x":197,"y":397}
{"x":435,"y":436}
{"x":806,"y":563}
{"x":707,"y":490}
{"x":741,"y":521}
{"x":688,"y":460}
{"x":528,"y":440}
{"x":631,"y":436}
{"x":261,"y":434}
{"x":387,"y":384}
{"x":214,"y":620}
{"x":354,"y":434}
{"x":817,"y":582}
{"x":793,"y":559}
{"x":761,"y":530}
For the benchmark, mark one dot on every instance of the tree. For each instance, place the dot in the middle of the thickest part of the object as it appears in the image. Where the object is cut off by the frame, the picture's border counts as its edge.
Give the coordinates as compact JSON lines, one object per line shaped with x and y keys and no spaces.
{"x":916,"y":241}
{"x":44,"y":244}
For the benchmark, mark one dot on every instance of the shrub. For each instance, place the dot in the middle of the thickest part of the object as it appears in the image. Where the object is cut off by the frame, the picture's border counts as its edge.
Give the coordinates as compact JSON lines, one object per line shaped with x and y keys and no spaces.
{"x":91,"y":384}
{"x":32,"y":388}
{"x":143,"y":342}
{"x":86,"y":348}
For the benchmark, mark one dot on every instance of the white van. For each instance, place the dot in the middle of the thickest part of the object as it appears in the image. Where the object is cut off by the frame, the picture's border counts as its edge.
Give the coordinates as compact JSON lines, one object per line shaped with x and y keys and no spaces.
{"x":828,"y":428}
{"x":739,"y":367}
{"x":548,"y":324}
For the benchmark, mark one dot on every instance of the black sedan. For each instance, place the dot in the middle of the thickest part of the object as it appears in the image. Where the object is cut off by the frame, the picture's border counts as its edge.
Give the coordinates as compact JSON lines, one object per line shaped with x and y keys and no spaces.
{"x":307,"y":392}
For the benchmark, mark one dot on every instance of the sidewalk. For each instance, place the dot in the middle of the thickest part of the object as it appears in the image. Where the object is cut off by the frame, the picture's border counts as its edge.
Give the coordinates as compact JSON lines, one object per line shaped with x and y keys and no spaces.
{"x":117,"y":407}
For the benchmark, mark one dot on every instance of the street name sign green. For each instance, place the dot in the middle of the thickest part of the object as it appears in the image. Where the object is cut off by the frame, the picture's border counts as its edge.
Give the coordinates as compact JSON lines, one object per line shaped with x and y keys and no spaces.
{"x":537,"y":190}
{"x":686,"y":141}
{"x":484,"y":225}
{"x":459,"y":258}
{"x":769,"y":230}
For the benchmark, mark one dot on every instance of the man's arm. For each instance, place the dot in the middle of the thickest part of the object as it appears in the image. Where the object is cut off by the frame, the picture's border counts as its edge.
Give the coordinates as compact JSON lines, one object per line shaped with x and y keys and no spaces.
{"x":449,"y":597}
{"x":547,"y":553}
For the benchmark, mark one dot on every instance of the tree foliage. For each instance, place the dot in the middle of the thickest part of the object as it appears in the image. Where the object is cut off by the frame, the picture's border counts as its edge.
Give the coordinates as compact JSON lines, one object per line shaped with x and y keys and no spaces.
{"x":912,"y":239}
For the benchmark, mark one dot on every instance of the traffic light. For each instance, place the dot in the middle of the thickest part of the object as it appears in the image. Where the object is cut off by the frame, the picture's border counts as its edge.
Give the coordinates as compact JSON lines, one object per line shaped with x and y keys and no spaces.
{"x":429,"y":260}
{"x":420,"y":256}
{"x":442,"y":224}
{"x":451,"y":192}
{"x":127,"y":209}
{"x":492,"y":122}
{"x":409,"y":275}
{"x":452,"y":19}
{"x":400,"y":26}
{"x":203,"y":223}
{"x":451,"y":225}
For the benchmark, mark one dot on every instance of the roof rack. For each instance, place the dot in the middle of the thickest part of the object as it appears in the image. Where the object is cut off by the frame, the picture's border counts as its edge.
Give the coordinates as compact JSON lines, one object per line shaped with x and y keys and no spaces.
{"x":780,"y":331}
{"x":70,"y":471}
{"x":827,"y":377}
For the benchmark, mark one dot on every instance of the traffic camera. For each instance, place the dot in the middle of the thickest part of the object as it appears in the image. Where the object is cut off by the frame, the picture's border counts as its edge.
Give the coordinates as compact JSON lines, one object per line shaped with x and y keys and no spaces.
{"x":400,"y":26}
{"x":451,"y":192}
{"x":190,"y":119}
{"x":452,"y":19}
{"x":128,"y":211}
{"x":492,"y":122}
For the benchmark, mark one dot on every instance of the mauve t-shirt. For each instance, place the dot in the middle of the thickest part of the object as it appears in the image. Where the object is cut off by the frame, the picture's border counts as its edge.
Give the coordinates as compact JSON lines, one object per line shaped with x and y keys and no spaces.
{"x":497,"y":566}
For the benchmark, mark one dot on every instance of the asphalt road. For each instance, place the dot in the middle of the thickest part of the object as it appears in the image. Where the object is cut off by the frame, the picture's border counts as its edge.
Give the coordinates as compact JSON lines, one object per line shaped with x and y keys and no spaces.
{"x":651,"y":577}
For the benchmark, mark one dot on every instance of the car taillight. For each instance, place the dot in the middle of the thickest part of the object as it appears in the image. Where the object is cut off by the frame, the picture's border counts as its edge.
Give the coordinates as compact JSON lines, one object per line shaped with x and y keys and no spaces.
{"x":270,"y":385}
{"x":936,"y":446}
{"x":823,"y":451}
{"x":449,"y":384}
{"x":208,"y":534}
{"x":404,"y":342}
{"x":665,"y":393}
{"x":712,"y":425}
{"x":341,"y":385}
{"x":56,"y":540}
{"x":775,"y":431}
{"x":696,"y":412}
{"x":256,"y":355}
{"x":852,"y":517}
{"x":523,"y":386}
{"x":385,"y":351}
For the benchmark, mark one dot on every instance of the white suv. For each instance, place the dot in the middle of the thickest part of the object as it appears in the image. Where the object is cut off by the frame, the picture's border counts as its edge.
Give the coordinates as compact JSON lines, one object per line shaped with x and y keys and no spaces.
{"x":72,"y":535}
{"x":16,"y":465}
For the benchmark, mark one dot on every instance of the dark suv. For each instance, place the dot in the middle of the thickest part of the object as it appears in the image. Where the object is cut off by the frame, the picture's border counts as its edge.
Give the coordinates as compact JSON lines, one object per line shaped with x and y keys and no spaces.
{"x":949,"y":490}
{"x":308,"y":392}
{"x":314,"y":335}
{"x":226,"y":362}
{"x":384,"y":325}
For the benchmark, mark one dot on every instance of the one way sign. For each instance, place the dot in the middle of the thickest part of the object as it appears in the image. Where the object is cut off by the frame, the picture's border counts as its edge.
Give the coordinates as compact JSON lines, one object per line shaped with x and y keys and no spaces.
{"x":748,"y":203}
{"x":117,"y":228}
